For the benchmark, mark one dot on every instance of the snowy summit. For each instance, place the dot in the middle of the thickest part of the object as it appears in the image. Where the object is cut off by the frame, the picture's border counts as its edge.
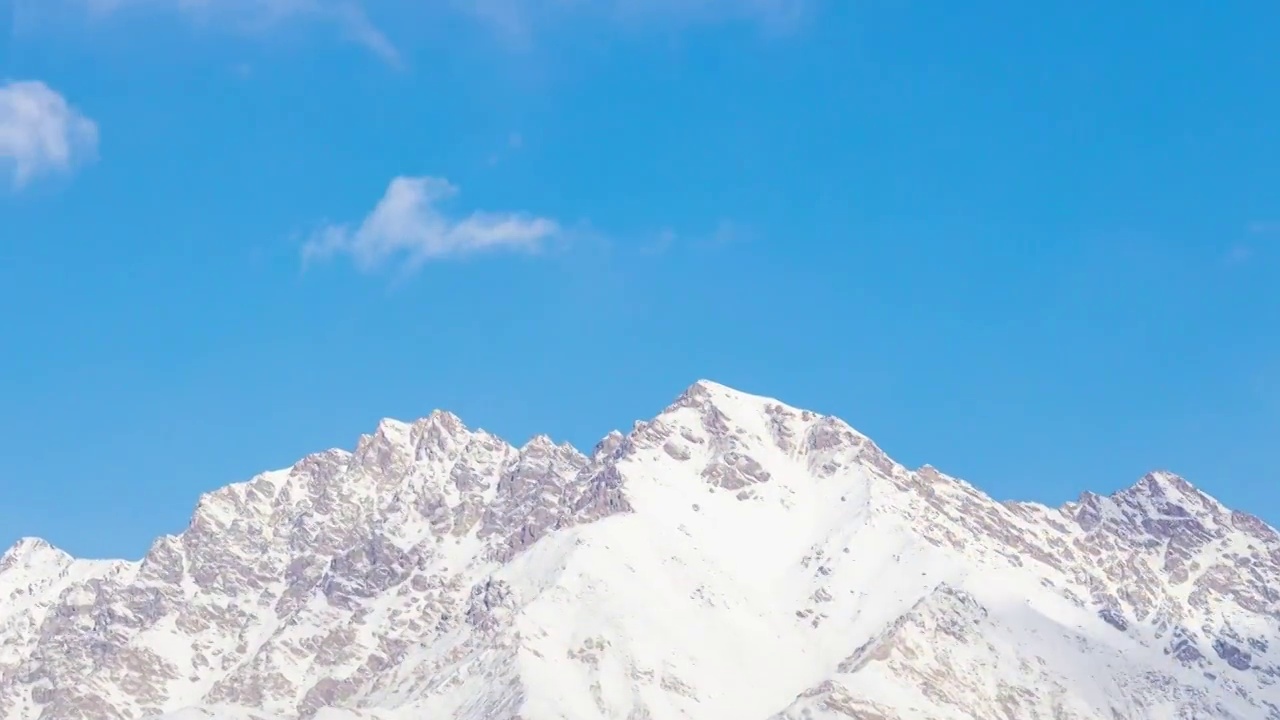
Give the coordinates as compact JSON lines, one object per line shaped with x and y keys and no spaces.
{"x":733,"y":558}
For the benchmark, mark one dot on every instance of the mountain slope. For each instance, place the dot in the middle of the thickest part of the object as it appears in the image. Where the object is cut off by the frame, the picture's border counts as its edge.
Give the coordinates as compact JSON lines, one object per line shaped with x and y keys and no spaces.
{"x":731,"y":558}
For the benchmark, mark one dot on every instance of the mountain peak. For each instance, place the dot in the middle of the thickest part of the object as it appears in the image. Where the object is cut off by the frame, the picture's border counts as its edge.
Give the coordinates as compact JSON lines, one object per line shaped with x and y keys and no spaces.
{"x":709,"y":389}
{"x":30,"y":549}
{"x":730,"y":401}
{"x":445,"y":420}
{"x":1162,"y":489}
{"x":1160,"y":504}
{"x":541,"y":441}
{"x":1164,"y":483}
{"x":29,"y":544}
{"x":705,"y":385}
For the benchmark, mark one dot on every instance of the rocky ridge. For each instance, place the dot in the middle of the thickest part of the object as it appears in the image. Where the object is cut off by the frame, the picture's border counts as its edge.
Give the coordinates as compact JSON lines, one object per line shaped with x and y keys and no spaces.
{"x":734,"y":557}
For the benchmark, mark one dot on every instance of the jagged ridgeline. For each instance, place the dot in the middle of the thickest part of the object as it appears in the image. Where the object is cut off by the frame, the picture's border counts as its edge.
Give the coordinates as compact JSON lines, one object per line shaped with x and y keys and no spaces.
{"x":733,"y":558}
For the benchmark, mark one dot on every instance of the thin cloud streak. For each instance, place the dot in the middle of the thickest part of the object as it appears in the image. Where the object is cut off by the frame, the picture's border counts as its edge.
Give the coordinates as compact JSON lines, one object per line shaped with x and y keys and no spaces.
{"x":348,"y":16}
{"x":1239,"y":254}
{"x":724,"y":234}
{"x":519,"y":20}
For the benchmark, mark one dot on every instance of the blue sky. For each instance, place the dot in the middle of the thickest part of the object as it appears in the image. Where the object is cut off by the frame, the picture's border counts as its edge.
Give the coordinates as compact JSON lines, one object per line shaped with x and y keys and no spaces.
{"x":1034,"y":244}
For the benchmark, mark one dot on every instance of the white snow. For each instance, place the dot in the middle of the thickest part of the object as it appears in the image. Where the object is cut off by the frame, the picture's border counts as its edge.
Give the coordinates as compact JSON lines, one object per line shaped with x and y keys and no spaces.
{"x":841,"y":580}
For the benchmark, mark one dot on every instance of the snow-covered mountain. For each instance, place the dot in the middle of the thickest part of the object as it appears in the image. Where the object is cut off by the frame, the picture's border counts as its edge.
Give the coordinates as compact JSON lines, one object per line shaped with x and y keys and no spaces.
{"x":732,"y":559}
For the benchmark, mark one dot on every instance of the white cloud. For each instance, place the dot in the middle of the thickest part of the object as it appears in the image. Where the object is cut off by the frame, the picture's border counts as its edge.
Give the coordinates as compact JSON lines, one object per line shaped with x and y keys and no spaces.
{"x":409,"y":226}
{"x":40,"y":132}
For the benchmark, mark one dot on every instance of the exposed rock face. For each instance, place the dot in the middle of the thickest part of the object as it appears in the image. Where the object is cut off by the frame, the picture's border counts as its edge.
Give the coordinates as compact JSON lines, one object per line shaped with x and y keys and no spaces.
{"x":731,"y":558}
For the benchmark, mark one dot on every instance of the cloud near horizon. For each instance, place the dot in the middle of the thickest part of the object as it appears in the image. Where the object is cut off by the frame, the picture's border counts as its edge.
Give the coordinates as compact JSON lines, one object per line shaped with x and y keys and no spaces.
{"x":41,"y":133}
{"x":409,"y":226}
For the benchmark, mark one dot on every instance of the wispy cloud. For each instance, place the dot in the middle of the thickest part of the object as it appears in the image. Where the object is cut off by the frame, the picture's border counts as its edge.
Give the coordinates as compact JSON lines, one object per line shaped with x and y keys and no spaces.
{"x":660,"y":243}
{"x":728,"y":232}
{"x":774,"y":14}
{"x":723,"y":234}
{"x":40,"y":132}
{"x":409,"y":227}
{"x":348,"y":16}
{"x":1258,"y":233}
{"x":1239,"y":254}
{"x":514,"y":142}
{"x":520,"y":18}
{"x":516,"y":20}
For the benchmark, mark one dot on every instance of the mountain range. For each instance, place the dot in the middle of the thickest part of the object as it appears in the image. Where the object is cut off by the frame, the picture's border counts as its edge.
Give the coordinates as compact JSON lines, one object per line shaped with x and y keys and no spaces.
{"x":734,"y":558}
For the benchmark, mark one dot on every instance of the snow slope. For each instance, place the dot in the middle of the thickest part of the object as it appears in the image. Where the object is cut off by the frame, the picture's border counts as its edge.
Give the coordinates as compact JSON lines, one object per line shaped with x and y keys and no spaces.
{"x":732,"y":558}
